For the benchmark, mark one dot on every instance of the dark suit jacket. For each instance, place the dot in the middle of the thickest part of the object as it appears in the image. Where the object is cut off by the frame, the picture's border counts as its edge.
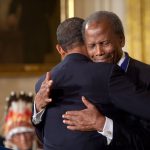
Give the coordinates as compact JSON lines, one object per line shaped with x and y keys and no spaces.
{"x":3,"y":148}
{"x":133,"y":132}
{"x":106,"y":87}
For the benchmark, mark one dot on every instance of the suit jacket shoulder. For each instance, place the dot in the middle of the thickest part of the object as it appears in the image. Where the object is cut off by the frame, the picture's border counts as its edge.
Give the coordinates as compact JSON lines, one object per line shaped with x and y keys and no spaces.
{"x":139,"y":72}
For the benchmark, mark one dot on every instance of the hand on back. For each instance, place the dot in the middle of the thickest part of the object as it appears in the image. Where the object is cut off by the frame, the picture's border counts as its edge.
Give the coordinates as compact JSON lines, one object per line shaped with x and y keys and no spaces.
{"x":88,"y":119}
{"x":42,"y":97}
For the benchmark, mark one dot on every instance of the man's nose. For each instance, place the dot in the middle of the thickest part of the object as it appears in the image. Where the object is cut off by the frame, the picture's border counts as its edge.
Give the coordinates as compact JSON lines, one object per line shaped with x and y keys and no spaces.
{"x":99,"y":50}
{"x":22,"y":137}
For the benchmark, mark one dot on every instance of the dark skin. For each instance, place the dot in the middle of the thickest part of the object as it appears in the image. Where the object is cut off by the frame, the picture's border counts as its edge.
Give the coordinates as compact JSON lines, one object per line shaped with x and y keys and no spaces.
{"x":103,"y":45}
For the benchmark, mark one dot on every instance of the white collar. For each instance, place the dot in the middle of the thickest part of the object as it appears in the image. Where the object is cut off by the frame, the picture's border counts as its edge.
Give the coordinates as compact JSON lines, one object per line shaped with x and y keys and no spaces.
{"x":121,"y":59}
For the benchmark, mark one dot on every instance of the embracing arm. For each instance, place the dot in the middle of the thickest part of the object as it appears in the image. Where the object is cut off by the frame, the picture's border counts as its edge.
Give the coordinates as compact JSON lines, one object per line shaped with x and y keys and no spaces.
{"x":118,"y":134}
{"x":41,"y":101}
{"x":41,"y":98}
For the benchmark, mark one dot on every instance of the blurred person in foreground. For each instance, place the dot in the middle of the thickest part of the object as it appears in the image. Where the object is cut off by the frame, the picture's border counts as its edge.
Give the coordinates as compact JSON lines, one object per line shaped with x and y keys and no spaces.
{"x":18,"y":130}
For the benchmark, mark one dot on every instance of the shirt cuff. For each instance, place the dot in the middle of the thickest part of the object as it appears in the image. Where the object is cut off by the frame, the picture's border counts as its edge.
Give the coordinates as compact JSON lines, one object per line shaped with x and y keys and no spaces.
{"x":37,"y":117}
{"x":108,"y":130}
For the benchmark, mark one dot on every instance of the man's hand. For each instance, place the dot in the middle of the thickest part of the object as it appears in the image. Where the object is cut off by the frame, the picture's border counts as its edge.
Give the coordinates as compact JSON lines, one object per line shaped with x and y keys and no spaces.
{"x":42,"y":97}
{"x":88,"y":119}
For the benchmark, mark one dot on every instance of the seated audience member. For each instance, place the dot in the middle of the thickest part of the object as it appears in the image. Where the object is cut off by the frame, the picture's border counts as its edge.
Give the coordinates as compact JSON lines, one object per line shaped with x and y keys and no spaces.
{"x":18,"y":129}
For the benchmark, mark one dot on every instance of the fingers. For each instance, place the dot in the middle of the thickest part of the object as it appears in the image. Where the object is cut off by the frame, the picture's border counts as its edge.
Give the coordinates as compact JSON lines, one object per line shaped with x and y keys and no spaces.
{"x":47,"y":82}
{"x":73,"y":128}
{"x":48,"y":79}
{"x":70,"y":116}
{"x":77,"y":128}
{"x":49,"y":100}
{"x":73,"y":125}
{"x":42,"y":97}
{"x":48,"y":76}
{"x":72,"y":122}
{"x":41,"y":101}
{"x":73,"y":112}
{"x":87,"y":103}
{"x":46,"y":86}
{"x":50,"y":83}
{"x":45,"y":103}
{"x":83,"y":120}
{"x":68,"y":122}
{"x":70,"y":119}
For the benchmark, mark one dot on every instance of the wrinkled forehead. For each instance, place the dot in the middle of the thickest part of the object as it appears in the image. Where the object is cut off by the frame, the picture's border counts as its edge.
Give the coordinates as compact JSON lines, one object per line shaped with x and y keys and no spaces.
{"x":99,"y":25}
{"x":98,"y":32}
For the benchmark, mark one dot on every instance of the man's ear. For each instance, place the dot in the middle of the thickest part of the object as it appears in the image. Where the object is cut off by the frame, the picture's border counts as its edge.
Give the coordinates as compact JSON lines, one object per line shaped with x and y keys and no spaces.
{"x":61,"y":51}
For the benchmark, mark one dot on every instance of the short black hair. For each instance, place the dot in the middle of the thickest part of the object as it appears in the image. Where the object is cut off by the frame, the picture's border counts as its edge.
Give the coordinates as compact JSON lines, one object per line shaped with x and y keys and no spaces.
{"x":100,"y":16}
{"x":69,"y":33}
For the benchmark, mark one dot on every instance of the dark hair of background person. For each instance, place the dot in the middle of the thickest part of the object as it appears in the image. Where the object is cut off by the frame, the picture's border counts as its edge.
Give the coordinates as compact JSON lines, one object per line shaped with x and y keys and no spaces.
{"x":71,"y":36}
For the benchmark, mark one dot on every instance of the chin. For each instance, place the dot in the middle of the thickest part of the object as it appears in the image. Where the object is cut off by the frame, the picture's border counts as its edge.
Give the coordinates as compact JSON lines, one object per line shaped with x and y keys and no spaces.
{"x":103,"y":60}
{"x":98,"y":60}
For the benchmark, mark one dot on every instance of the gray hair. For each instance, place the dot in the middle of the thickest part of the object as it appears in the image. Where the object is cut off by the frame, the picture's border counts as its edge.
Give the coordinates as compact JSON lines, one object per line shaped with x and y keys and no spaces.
{"x":100,"y":16}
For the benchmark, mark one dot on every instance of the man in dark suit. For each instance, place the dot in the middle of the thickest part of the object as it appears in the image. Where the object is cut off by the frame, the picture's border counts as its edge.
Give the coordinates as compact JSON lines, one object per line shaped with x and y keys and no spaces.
{"x":104,"y":36}
{"x":70,"y":84}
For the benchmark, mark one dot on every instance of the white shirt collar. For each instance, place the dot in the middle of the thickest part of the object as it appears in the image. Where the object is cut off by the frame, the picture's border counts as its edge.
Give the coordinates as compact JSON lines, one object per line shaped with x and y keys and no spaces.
{"x":122,"y":59}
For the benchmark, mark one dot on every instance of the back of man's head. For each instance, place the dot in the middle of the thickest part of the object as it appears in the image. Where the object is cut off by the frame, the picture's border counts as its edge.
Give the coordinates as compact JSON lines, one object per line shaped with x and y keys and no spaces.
{"x":69,"y":33}
{"x":105,"y":16}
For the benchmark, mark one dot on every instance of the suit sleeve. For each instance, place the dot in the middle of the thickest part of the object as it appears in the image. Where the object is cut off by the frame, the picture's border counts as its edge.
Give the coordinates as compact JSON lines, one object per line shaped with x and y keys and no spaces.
{"x":39,"y":127}
{"x":133,"y":134}
{"x":127,"y":96}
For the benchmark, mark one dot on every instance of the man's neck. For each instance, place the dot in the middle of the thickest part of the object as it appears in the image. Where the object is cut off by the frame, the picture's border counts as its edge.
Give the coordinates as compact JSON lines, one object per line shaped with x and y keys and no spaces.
{"x":80,"y":49}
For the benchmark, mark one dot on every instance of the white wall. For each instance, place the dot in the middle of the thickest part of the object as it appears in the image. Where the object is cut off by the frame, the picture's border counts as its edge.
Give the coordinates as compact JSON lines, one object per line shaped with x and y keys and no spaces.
{"x":83,"y":8}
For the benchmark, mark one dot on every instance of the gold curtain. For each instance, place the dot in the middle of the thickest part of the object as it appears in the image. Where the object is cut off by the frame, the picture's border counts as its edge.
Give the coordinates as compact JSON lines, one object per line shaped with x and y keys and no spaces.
{"x":138,"y":29}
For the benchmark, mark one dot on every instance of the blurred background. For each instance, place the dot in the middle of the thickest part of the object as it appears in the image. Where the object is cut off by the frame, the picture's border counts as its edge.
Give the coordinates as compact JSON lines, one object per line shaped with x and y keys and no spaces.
{"x":27,"y":36}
